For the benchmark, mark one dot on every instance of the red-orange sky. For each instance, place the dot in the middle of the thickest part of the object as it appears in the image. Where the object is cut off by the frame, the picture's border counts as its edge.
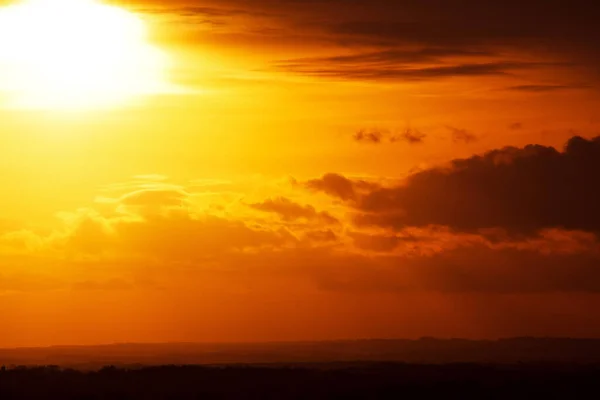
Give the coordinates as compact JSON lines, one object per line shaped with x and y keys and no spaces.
{"x":291,"y":170}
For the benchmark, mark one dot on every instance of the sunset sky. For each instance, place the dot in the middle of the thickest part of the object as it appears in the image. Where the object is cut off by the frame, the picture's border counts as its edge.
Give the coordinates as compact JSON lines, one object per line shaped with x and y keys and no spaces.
{"x":263,"y":170}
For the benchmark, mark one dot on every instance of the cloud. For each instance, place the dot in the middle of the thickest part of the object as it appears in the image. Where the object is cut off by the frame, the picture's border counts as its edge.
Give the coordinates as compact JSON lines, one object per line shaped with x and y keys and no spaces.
{"x":521,"y":190}
{"x":377,"y":136}
{"x":334,"y":185}
{"x":288,"y":210}
{"x":462,"y":135}
{"x":515,"y":126}
{"x":384,"y":244}
{"x":20,"y":241}
{"x":188,"y":237}
{"x":339,"y":186}
{"x":369,"y":136}
{"x":154,"y":197}
{"x":466,"y":22}
{"x":403,"y":64}
{"x":457,"y":21}
{"x":439,"y":260}
{"x":403,"y":40}
{"x":394,"y":56}
{"x":163,"y":224}
{"x":411,"y":136}
{"x":406,"y":73}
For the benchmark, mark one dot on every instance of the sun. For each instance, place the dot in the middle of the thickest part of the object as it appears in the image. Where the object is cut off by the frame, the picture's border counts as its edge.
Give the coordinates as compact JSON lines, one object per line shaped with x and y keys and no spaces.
{"x":72,"y":54}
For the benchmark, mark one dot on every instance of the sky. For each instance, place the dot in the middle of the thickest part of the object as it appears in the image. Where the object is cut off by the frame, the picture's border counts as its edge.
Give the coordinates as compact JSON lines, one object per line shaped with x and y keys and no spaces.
{"x":305,"y":170}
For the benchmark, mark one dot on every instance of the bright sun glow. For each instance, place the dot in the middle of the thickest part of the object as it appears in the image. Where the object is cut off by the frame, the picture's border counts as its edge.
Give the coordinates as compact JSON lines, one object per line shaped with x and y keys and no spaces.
{"x":75,"y":54}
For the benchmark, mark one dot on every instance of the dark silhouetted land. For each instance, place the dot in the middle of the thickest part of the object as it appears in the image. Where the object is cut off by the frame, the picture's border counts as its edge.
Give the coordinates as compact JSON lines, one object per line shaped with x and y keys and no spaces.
{"x":521,"y":368}
{"x":325,"y":381}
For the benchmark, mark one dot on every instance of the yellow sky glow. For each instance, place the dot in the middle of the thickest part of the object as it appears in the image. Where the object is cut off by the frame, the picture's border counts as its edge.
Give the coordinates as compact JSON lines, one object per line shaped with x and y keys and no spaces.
{"x":229,"y":170}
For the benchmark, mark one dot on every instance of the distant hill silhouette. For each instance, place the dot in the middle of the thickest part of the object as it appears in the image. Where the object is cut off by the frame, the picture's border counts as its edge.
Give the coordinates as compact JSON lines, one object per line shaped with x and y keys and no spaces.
{"x":426,"y":350}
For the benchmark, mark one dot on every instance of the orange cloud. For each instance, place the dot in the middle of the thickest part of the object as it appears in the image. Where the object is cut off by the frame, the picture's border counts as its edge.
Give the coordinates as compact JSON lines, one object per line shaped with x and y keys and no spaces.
{"x":339,"y":252}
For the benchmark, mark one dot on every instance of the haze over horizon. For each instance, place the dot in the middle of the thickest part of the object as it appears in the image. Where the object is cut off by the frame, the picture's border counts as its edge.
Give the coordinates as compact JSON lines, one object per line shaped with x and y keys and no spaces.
{"x":283,"y":170}
{"x":525,"y":351}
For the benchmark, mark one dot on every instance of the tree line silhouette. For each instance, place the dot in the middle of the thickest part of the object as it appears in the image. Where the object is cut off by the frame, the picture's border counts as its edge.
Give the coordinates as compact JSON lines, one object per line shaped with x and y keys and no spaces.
{"x":305,"y":381}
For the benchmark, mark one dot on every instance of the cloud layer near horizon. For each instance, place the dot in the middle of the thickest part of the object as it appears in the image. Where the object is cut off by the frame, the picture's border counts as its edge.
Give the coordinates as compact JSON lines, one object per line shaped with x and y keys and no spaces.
{"x":513,"y":220}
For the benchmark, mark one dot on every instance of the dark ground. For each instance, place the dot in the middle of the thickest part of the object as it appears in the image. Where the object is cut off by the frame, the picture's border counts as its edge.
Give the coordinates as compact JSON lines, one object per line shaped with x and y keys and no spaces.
{"x":307,"y":381}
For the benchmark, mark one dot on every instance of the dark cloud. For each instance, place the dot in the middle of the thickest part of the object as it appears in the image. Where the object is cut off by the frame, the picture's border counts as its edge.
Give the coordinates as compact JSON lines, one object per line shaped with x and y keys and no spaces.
{"x":289,"y":210}
{"x":515,"y":126}
{"x":370,"y":136}
{"x":334,"y":185}
{"x":339,"y":186}
{"x":407,"y":64}
{"x":521,"y":190}
{"x":461,"y":135}
{"x":377,"y":136}
{"x":397,"y":56}
{"x":455,"y":20}
{"x":214,"y":12}
{"x":409,"y":135}
{"x":469,"y":22}
{"x":407,"y":72}
{"x":411,"y":40}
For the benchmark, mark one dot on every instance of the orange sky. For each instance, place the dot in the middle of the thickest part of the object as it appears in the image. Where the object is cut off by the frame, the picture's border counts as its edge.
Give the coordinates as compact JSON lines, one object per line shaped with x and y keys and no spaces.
{"x":321,"y":170}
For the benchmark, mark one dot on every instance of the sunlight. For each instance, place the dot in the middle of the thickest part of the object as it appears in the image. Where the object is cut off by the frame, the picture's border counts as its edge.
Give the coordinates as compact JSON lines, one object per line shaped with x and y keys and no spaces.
{"x":74,"y":54}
